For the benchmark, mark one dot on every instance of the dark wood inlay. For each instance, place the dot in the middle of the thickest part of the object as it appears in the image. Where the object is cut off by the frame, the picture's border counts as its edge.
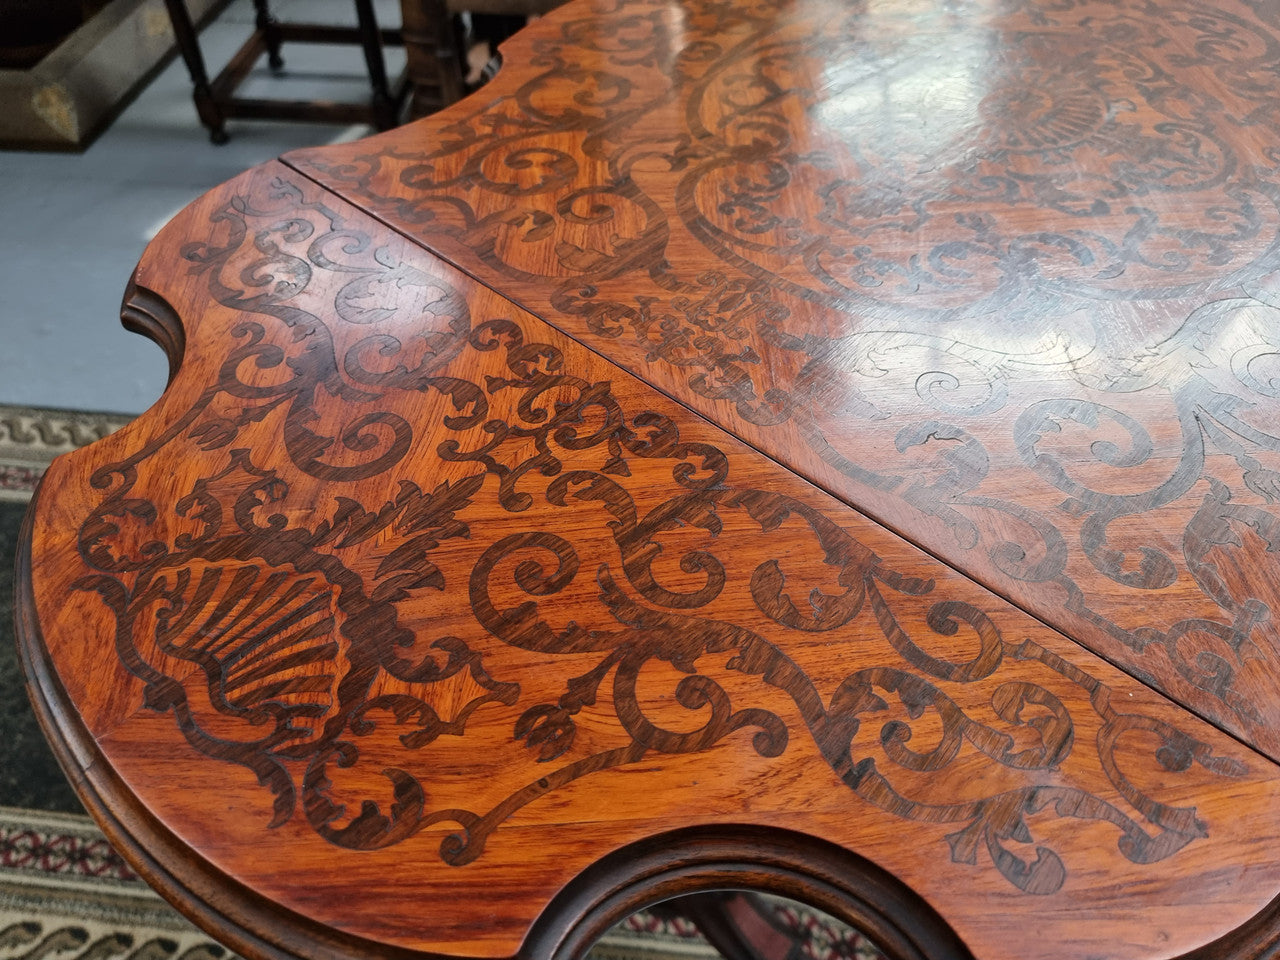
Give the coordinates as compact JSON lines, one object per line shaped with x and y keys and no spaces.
{"x":840,"y":428}
{"x":401,"y":596}
{"x":1001,"y":274}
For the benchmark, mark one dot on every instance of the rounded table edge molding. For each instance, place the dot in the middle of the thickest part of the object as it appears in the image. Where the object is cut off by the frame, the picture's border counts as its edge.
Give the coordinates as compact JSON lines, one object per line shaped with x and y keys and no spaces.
{"x":216,"y":903}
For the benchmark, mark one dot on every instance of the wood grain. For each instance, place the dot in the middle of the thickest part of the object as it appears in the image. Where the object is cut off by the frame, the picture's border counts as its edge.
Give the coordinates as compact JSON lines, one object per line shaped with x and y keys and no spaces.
{"x":1001,"y":275}
{"x":402,"y":613}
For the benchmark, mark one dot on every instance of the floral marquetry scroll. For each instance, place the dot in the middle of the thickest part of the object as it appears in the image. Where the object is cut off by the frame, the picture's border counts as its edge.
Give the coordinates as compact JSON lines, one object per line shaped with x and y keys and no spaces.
{"x":1003,"y":275}
{"x":402,"y":612}
{"x":827,"y":448}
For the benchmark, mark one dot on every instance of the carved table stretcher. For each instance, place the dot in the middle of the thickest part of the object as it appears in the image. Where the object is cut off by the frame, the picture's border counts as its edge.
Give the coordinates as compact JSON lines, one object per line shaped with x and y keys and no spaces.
{"x":823,"y":447}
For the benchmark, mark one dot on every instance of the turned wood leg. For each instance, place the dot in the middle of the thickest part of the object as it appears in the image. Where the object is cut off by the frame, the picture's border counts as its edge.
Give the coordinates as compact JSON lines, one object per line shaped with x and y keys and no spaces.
{"x":384,"y":107}
{"x":270,"y":31}
{"x":434,"y":64}
{"x":184,"y":32}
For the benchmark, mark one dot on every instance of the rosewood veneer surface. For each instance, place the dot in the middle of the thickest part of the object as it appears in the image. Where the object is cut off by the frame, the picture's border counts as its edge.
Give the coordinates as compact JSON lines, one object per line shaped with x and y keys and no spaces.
{"x":819,"y":446}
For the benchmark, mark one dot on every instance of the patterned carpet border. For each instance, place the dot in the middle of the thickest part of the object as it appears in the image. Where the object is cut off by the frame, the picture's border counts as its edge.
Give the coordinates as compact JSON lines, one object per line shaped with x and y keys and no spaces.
{"x":30,"y":437}
{"x":66,"y":895}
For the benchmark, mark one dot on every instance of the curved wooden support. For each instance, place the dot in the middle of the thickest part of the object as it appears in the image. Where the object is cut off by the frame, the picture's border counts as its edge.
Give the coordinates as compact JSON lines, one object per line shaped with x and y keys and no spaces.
{"x":399,"y":598}
{"x":702,"y":860}
{"x":144,"y":313}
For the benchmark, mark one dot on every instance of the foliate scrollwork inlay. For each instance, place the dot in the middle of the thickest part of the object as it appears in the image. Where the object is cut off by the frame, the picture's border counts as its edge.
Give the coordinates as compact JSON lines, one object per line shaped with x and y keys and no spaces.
{"x":919,"y":275}
{"x":268,"y":606}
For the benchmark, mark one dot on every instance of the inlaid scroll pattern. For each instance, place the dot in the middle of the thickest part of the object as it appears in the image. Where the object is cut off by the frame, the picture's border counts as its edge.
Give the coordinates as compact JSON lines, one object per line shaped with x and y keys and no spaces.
{"x":868,"y":264}
{"x":257,"y":626}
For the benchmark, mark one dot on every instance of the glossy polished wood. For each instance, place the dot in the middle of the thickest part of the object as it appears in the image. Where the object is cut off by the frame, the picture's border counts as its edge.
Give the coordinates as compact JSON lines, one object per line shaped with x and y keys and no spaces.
{"x":399,"y":597}
{"x":408,"y":623}
{"x":1001,"y":274}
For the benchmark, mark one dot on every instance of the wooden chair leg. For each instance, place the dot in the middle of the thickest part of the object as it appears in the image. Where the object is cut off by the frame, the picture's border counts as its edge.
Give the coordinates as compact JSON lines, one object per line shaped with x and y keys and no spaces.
{"x":207,"y":109}
{"x":270,"y":30}
{"x":384,"y":107}
{"x":215,"y":99}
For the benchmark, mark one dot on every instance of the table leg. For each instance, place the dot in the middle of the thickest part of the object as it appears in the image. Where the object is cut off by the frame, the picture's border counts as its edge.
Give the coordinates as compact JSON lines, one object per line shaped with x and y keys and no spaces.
{"x":432,"y":56}
{"x":206,"y":107}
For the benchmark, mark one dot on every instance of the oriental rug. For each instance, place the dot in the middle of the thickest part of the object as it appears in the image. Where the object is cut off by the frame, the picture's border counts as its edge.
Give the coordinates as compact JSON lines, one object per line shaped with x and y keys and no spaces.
{"x":65,"y":894}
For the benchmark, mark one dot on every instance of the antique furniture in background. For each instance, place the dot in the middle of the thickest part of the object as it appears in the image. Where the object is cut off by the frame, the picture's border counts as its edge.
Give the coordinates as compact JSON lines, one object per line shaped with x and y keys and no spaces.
{"x":436,"y":41}
{"x":817,"y":447}
{"x":74,"y":92}
{"x":216,"y":99}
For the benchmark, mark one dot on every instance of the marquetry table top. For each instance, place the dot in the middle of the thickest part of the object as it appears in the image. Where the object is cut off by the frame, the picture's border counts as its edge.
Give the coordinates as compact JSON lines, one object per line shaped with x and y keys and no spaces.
{"x":828,"y":447}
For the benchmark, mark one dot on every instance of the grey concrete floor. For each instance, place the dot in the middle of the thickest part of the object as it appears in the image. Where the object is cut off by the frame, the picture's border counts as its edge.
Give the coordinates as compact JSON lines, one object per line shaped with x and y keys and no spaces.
{"x":72,"y":226}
